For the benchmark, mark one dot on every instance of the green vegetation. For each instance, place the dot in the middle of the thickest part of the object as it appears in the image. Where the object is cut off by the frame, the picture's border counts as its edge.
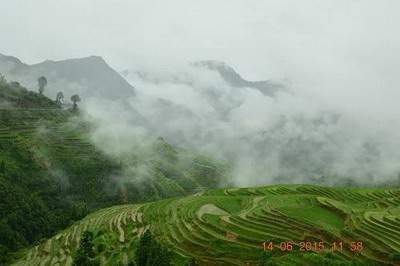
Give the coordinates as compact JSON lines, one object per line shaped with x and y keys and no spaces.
{"x":14,"y":95}
{"x":150,"y":252}
{"x":52,"y":175}
{"x":59,"y":97}
{"x":42,"y":82}
{"x":55,"y":182}
{"x":75,"y":99}
{"x":85,"y":255}
{"x":229,"y":227}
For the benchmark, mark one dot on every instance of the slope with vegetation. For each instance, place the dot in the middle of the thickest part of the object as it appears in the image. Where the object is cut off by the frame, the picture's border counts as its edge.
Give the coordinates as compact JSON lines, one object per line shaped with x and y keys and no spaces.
{"x":229,"y":227}
{"x":52,"y":175}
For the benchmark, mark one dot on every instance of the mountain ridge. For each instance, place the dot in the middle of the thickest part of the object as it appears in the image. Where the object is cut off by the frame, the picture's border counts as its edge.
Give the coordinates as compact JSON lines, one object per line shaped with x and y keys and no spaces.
{"x":88,"y":76}
{"x":233,"y":78}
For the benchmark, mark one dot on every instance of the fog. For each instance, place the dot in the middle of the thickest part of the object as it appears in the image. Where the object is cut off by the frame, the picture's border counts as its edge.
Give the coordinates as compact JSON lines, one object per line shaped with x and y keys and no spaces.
{"x":289,"y":137}
{"x":338,"y":116}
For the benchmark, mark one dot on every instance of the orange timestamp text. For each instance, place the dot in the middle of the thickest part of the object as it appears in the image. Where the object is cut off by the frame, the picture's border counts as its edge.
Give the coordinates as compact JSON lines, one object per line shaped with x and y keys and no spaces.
{"x":314,"y":246}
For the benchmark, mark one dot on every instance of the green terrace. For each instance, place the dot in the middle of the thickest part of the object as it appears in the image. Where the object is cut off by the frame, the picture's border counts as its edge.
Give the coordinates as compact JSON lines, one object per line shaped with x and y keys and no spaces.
{"x":229,"y":226}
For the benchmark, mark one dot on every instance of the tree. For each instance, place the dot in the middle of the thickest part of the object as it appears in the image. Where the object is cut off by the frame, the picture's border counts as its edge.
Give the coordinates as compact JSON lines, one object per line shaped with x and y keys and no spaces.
{"x":75,"y":98}
{"x":149,"y":252}
{"x":2,"y":167}
{"x":2,"y":78}
{"x":192,"y":262}
{"x":59,"y":97}
{"x":42,"y":81}
{"x":266,"y":259}
{"x":85,"y":255}
{"x":395,"y":257}
{"x":143,"y":250}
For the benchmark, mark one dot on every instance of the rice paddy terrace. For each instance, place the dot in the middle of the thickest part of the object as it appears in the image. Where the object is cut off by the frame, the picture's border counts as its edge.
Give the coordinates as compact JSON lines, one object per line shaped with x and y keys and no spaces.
{"x":233,"y":226}
{"x":48,"y":133}
{"x":52,"y":174}
{"x":60,"y":138}
{"x":33,"y":123}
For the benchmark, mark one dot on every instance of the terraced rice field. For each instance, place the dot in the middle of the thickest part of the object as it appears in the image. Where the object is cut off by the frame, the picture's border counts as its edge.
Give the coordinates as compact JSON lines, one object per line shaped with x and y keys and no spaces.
{"x":48,"y":126}
{"x":229,"y":226}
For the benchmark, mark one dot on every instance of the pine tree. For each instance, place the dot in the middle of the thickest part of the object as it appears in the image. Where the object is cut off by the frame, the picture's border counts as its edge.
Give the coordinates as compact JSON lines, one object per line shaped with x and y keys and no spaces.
{"x":150,"y":253}
{"x":192,"y":262}
{"x":395,"y":257}
{"x":143,"y":250}
{"x":2,"y":167}
{"x":265,"y":259}
{"x":85,"y":255}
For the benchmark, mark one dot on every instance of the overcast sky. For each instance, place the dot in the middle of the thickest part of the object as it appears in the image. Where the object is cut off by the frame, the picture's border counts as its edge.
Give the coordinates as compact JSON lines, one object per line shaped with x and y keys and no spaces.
{"x":349,"y":46}
{"x":261,"y":38}
{"x":341,"y":54}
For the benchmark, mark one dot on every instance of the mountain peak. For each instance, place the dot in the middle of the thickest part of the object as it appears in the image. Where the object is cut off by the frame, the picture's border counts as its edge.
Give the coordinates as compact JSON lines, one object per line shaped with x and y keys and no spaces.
{"x":219,"y":66}
{"x":93,"y":59}
{"x":234,"y":79}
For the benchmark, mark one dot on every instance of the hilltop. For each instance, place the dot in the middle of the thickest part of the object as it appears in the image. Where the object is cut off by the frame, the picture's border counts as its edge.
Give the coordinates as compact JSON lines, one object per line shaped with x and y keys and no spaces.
{"x":229,"y":227}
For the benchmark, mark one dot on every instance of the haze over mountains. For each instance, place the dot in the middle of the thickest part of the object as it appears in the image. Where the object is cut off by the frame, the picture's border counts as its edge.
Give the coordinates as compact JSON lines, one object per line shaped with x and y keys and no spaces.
{"x":266,"y":129}
{"x":92,"y":76}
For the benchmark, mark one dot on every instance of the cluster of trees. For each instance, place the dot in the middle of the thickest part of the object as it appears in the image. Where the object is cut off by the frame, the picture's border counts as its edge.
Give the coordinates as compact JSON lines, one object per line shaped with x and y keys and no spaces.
{"x":31,"y":205}
{"x":85,"y":254}
{"x":15,"y":95}
{"x":42,"y":82}
{"x":148,"y":252}
{"x":395,"y":257}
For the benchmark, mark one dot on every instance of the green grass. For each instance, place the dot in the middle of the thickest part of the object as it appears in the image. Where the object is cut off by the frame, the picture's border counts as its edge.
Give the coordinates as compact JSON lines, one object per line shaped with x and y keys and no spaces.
{"x":228,"y":227}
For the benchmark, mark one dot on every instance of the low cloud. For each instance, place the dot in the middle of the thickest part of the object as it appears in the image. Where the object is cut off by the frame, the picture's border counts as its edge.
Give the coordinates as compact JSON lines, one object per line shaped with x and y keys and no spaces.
{"x":288,"y":137}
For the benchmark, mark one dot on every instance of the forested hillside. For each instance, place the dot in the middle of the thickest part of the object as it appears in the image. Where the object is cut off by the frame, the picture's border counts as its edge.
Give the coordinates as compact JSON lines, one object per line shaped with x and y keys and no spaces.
{"x":51,"y":174}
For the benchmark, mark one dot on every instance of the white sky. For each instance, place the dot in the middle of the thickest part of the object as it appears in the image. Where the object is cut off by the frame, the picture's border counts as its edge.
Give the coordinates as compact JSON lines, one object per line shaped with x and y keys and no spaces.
{"x":335,"y":47}
{"x":261,"y":38}
{"x":343,"y":52}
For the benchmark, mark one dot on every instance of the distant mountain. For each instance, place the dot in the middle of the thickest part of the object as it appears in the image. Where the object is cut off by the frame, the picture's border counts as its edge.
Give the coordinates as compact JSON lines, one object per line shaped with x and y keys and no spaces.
{"x":234,"y":79}
{"x":88,"y":77}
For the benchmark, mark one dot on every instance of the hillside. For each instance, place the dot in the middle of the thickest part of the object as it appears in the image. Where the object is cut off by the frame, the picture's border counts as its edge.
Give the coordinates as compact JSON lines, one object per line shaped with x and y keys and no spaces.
{"x":13,"y":95}
{"x":89,"y":77}
{"x":51,"y":174}
{"x":229,"y":227}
